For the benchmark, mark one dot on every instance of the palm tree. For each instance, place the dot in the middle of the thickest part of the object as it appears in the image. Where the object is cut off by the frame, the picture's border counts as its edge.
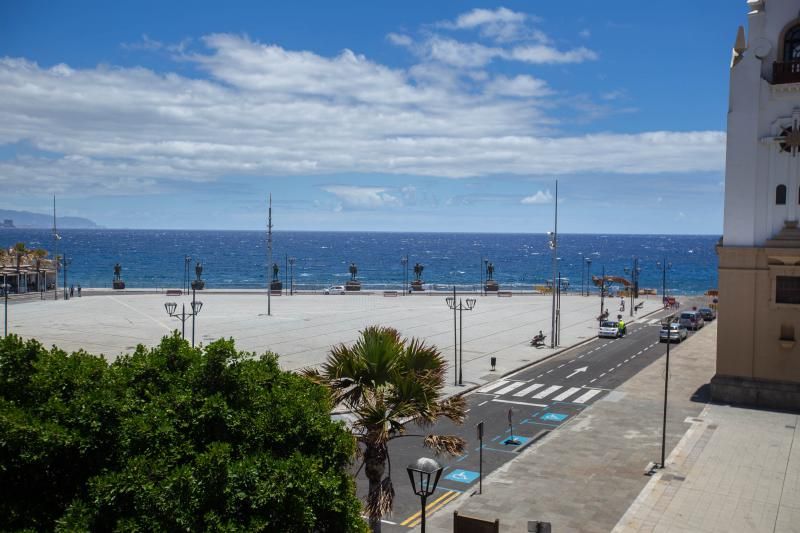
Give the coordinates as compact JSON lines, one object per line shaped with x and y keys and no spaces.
{"x":387,"y":383}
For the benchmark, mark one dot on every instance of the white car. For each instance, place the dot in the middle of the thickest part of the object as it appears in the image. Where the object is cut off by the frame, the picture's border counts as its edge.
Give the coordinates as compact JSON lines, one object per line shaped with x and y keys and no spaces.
{"x":336,"y":289}
{"x":609,"y":329}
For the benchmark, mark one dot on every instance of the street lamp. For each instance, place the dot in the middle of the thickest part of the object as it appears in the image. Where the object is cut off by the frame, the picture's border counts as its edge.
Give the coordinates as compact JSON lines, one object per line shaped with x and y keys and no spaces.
{"x":664,"y":266}
{"x":458,"y":343}
{"x":588,"y":274}
{"x":5,"y":310}
{"x":553,"y":244}
{"x":404,"y":264}
{"x":183,"y":316}
{"x":634,"y":288}
{"x":666,"y":391}
{"x":292,"y":261}
{"x":485,"y":267}
{"x":187,"y":260}
{"x":65,"y":263}
{"x":424,"y":475}
{"x":581,"y":262}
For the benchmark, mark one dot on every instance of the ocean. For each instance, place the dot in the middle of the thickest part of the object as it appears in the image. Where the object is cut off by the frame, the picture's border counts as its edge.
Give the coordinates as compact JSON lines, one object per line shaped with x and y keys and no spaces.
{"x":238,"y":259}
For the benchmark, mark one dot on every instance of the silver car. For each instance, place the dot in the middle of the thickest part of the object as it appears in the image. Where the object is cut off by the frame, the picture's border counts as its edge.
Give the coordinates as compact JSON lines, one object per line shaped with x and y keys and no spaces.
{"x":674,"y":332}
{"x":691,"y":320}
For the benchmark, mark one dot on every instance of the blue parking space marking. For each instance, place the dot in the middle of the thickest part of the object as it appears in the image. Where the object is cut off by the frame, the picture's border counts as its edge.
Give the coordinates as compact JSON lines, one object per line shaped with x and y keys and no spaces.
{"x":462,"y":476}
{"x":554,"y":417}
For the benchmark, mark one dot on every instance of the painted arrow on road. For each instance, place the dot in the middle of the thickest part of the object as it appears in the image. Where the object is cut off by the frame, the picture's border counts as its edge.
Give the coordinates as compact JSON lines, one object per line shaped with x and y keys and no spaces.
{"x":578,"y":370}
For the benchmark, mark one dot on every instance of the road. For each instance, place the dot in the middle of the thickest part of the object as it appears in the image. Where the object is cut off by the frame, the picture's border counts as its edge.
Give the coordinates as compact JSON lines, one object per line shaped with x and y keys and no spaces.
{"x":537,"y":400}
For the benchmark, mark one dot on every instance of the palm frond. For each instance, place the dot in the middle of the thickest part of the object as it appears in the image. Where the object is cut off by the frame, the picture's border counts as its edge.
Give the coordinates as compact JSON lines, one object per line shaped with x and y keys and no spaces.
{"x":381,"y":500}
{"x":449,"y":444}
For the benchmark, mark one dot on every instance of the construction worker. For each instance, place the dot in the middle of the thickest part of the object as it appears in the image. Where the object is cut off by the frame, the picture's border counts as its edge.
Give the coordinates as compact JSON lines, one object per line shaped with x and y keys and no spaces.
{"x":621,"y":326}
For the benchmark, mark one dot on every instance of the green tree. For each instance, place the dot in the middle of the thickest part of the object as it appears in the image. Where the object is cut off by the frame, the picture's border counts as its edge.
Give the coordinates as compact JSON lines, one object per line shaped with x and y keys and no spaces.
{"x":166,"y":439}
{"x":389,"y":382}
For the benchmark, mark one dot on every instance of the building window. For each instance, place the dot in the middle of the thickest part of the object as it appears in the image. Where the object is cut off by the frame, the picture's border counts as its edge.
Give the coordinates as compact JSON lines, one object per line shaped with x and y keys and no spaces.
{"x":780,"y":195}
{"x":791,"y":45}
{"x":787,"y":290}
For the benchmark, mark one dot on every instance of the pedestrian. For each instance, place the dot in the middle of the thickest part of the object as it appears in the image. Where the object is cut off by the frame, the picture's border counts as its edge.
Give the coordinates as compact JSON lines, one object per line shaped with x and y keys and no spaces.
{"x":79,"y":290}
{"x":71,"y":291}
{"x":622,"y":304}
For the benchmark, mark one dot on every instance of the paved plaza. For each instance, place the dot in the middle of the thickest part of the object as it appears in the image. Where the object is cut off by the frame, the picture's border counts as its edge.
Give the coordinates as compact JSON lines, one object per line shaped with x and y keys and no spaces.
{"x":302,"y":328}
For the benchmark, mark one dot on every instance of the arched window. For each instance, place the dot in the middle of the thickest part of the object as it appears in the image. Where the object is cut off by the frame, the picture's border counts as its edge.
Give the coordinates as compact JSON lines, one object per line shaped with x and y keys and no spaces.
{"x":791,"y":44}
{"x":780,"y":195}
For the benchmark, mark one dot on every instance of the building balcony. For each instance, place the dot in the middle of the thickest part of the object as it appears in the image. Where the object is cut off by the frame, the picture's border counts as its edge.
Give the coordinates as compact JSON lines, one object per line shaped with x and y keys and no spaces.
{"x":785,"y":72}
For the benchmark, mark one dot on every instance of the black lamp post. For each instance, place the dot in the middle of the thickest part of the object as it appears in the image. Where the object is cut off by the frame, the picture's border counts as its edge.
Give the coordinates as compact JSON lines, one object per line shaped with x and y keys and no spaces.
{"x":404,"y":264}
{"x":460,"y":307}
{"x":583,"y":286}
{"x":634,"y":288}
{"x":65,"y":263}
{"x":424,"y":475}
{"x":187,"y":260}
{"x":292,"y":261}
{"x":666,"y":391}
{"x":5,"y":310}
{"x":183,"y":316}
{"x":588,"y":274}
{"x":664,"y":266}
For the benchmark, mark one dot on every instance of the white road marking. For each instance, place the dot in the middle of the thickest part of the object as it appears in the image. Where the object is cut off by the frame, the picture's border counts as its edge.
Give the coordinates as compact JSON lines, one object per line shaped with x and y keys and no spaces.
{"x":492,"y":386}
{"x":580,"y":357}
{"x":528,"y":390}
{"x":559,"y":366}
{"x":610,"y":369}
{"x":549,"y":371}
{"x":587,"y":396}
{"x":540,"y":375}
{"x":520,"y":403}
{"x":592,"y":381}
{"x":639,"y":352}
{"x":547,"y":392}
{"x":508,"y":389}
{"x":572,"y":360}
{"x":483,"y":403}
{"x":619,"y":365}
{"x":626,"y":360}
{"x":566,"y":394}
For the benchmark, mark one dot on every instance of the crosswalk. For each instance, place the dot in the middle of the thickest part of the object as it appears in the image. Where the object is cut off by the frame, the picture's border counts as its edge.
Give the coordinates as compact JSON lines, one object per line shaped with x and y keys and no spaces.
{"x":541,"y":391}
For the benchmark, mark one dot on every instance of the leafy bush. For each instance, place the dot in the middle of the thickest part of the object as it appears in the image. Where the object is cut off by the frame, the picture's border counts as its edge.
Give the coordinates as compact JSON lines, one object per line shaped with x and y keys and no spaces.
{"x":168,"y":438}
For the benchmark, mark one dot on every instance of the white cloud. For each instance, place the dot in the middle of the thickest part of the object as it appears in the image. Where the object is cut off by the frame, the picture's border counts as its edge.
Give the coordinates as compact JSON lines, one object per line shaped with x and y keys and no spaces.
{"x":501,"y":24}
{"x":541,"y":197}
{"x":585,"y":33}
{"x":543,"y":55}
{"x":522,"y":86}
{"x":268,"y":111}
{"x":399,"y":39}
{"x":362,"y":197}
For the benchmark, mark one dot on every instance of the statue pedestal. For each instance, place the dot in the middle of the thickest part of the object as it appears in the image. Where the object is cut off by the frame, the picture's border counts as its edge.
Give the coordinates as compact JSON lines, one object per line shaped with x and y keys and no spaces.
{"x":352,"y":286}
{"x":198,"y":284}
{"x":491,"y":286}
{"x":118,"y":284}
{"x":417,"y":285}
{"x":276,"y":286}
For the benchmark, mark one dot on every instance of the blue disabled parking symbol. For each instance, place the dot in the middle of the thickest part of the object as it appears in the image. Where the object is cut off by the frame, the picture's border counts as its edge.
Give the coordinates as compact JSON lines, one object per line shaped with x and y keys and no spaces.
{"x":462,"y":476}
{"x":553,"y":417}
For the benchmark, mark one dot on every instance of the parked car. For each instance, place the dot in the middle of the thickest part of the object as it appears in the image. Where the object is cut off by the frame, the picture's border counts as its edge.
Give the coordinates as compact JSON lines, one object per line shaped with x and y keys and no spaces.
{"x":610,"y":329}
{"x":691,"y":320}
{"x":336,"y":289}
{"x":707,"y":313}
{"x":673,"y":332}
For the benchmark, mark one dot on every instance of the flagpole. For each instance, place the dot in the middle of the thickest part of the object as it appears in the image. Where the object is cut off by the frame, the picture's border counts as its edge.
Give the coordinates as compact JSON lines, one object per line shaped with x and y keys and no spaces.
{"x":269,"y":258}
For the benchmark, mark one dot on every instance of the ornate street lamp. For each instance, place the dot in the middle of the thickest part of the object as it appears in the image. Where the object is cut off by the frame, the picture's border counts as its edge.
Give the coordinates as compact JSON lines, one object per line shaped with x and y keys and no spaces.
{"x":424,"y":475}
{"x":664,"y":266}
{"x":183,"y":316}
{"x":460,"y":307}
{"x":588,"y":275}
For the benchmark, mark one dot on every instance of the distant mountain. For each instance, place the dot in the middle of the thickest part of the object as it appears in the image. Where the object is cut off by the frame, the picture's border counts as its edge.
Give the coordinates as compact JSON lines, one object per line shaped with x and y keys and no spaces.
{"x":26,"y":219}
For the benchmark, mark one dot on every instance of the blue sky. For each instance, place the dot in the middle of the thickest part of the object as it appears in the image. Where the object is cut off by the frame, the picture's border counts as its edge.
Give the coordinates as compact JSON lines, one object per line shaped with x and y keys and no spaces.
{"x":403,"y":116}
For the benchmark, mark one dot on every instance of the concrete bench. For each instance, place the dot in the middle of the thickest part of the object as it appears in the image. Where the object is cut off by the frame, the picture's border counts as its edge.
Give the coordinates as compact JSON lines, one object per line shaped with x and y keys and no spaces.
{"x":504,"y":294}
{"x":174,"y":292}
{"x":390,"y":294}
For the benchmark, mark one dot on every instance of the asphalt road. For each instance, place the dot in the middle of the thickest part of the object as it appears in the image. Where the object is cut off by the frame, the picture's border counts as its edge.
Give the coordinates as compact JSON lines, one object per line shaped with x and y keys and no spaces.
{"x":538,"y":400}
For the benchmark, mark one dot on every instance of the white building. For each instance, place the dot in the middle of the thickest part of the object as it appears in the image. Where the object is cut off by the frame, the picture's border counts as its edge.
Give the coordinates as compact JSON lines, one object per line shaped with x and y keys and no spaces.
{"x":758,"y":360}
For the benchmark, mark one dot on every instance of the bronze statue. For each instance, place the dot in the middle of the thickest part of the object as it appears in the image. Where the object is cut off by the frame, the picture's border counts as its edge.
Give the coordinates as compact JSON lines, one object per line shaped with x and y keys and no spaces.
{"x":198,"y":270}
{"x":489,"y":271}
{"x":418,"y":268}
{"x":117,"y":272}
{"x":275,"y":271}
{"x":353,"y":271}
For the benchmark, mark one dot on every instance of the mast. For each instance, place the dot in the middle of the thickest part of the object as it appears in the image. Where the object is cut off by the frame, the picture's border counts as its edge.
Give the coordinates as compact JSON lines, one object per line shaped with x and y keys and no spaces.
{"x":269,"y":258}
{"x":56,"y":238}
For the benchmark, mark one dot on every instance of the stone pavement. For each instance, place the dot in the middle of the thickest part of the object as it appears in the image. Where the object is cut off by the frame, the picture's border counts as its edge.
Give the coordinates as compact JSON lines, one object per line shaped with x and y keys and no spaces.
{"x":303,"y":328}
{"x":585,"y":475}
{"x":736,"y":469}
